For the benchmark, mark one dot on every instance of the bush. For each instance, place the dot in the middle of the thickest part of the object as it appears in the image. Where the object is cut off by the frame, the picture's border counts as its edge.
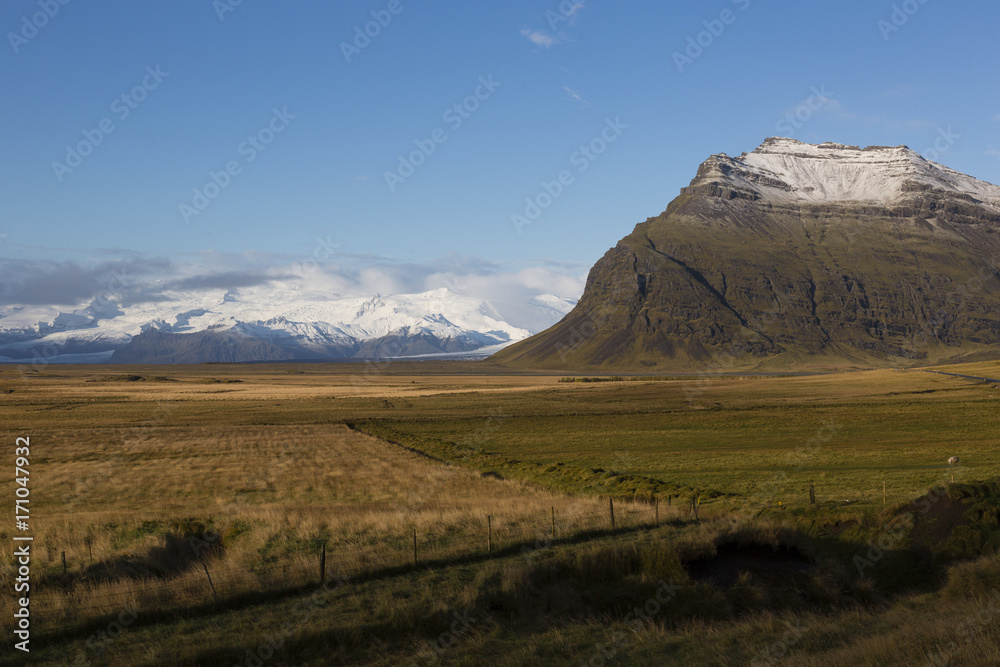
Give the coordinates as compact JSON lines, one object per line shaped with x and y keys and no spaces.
{"x":978,"y":578}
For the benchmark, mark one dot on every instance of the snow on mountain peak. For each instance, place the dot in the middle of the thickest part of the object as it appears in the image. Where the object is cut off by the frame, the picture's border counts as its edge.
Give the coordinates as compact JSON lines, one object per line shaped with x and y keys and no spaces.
{"x":317,"y":321}
{"x":783,"y":169}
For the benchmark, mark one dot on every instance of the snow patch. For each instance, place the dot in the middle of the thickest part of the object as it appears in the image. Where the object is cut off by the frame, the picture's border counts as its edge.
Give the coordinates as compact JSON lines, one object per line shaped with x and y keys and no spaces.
{"x":784,"y":169}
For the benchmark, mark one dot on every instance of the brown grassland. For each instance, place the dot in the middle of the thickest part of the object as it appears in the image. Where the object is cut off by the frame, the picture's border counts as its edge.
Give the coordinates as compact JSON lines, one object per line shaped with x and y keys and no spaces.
{"x":197,"y":507}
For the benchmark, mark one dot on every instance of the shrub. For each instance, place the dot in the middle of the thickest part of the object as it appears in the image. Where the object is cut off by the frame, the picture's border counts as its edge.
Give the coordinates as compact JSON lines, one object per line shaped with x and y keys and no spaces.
{"x":977,"y":578}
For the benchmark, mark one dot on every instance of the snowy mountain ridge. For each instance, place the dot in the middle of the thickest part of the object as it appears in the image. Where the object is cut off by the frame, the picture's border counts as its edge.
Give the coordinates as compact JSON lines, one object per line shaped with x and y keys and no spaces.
{"x":306,"y":323}
{"x":788,"y":170}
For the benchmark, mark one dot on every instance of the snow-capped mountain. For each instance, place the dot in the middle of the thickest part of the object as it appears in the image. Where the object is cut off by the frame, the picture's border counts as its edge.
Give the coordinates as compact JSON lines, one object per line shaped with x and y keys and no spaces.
{"x":787,"y":170}
{"x":793,"y":255}
{"x":274,"y":322}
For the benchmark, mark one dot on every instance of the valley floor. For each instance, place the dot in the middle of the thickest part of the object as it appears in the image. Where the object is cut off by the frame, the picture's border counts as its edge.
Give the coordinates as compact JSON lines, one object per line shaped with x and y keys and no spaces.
{"x":461,"y":514}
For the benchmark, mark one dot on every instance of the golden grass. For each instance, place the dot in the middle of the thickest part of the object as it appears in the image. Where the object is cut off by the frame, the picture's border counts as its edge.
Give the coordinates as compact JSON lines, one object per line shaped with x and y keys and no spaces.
{"x":129,"y":471}
{"x":274,"y":494}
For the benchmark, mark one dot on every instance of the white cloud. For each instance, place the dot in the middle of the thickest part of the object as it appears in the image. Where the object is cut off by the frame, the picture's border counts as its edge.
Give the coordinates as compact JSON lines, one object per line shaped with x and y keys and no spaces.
{"x":328,"y":273}
{"x":539,"y":38}
{"x":515,"y":293}
{"x":576,"y":96}
{"x":565,"y":15}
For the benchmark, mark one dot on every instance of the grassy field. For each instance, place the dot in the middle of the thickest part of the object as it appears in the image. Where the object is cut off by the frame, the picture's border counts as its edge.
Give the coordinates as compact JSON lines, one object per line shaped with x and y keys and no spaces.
{"x":151,"y":480}
{"x":754,"y":439}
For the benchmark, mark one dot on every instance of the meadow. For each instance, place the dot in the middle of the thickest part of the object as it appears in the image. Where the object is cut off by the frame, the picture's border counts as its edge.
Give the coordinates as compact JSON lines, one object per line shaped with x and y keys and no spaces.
{"x":198,"y":508}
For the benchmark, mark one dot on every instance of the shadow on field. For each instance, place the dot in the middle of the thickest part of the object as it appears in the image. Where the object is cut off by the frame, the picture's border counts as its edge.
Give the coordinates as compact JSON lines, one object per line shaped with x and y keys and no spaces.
{"x":174,"y":556}
{"x":732,"y":559}
{"x":176,"y":552}
{"x":719,"y":570}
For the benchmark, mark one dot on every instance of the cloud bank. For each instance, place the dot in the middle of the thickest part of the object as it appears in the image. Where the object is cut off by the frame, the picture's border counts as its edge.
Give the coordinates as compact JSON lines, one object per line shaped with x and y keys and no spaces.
{"x":46,"y":288}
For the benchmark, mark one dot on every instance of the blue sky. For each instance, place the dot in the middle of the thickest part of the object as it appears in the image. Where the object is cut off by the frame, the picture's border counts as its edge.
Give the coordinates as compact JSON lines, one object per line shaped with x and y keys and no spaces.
{"x":558,"y":77}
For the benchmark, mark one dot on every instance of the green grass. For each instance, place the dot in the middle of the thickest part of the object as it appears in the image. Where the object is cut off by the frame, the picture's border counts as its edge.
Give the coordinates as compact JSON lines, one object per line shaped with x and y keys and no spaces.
{"x":747,"y":447}
{"x":752,"y":439}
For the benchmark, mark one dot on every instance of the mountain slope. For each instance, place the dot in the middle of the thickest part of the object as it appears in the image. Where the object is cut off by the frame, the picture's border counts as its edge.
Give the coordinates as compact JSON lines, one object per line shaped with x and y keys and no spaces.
{"x":794,"y":254}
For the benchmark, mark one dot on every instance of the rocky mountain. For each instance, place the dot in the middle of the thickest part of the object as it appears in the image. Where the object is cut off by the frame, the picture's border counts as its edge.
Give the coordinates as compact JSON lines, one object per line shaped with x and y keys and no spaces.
{"x":264,"y":324}
{"x":792,"y":256}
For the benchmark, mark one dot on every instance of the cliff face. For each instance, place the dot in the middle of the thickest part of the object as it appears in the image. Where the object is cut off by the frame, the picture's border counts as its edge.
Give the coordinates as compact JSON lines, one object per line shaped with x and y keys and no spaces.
{"x":791,"y":256}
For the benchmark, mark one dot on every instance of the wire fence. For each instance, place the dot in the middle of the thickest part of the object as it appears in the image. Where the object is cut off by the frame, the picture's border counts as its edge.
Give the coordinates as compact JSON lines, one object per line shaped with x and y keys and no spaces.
{"x":60,"y":603}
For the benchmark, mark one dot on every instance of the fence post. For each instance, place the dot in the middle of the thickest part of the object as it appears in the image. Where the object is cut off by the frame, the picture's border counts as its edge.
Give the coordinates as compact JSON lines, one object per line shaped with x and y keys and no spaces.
{"x":695,"y":503}
{"x":214,"y":593}
{"x":322,"y":565}
{"x":489,"y":534}
{"x":812,"y":495}
{"x":64,"y":563}
{"x":90,"y":548}
{"x":611,"y":505}
{"x":657,"y":502}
